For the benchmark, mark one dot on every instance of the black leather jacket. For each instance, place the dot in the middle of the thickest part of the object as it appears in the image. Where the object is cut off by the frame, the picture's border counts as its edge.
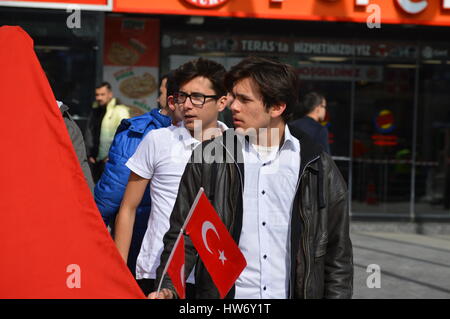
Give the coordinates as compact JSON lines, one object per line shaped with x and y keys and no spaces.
{"x":321,"y":250}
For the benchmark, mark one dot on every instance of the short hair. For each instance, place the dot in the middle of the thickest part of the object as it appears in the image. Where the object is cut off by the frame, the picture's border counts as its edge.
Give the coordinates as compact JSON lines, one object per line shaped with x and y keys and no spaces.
{"x":104,"y":84}
{"x":171,"y":84}
{"x":311,"y":101}
{"x":276,"y":82}
{"x":213,"y":71}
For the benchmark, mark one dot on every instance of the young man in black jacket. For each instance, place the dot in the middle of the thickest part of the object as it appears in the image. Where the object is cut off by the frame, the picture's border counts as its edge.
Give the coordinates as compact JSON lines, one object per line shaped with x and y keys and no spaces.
{"x":280,"y":195}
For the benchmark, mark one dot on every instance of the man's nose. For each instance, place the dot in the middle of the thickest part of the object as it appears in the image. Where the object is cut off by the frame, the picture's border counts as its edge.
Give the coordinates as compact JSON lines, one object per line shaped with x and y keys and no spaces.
{"x":234,"y":105}
{"x":187,"y":105}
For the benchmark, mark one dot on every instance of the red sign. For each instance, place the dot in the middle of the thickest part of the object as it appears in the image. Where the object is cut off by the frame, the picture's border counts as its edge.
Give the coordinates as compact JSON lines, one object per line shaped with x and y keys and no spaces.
{"x":131,"y":59}
{"x":393,"y":11}
{"x":206,"y":3}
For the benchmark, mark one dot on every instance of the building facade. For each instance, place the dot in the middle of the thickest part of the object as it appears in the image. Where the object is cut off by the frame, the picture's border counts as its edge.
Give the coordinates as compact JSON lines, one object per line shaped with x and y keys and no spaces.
{"x":383,"y":65}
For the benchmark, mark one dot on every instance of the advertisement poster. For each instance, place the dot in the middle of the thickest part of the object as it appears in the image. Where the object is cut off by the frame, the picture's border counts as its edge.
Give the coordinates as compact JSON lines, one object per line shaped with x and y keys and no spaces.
{"x":131,"y":61}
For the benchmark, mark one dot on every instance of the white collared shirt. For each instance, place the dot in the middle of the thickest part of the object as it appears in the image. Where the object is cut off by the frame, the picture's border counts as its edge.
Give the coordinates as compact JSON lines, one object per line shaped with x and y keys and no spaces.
{"x":162,"y":157}
{"x":269,"y":191}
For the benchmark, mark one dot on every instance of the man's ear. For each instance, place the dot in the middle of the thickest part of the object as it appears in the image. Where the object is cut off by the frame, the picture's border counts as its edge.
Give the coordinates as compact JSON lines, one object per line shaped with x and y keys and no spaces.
{"x":222,"y":103}
{"x":277,"y":110}
{"x":171,"y":103}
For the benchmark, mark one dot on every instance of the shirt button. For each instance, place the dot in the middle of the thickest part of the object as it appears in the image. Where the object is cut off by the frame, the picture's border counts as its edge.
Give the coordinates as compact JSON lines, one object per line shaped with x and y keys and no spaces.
{"x":263,"y":192}
{"x":264,"y":223}
{"x":265,"y":256}
{"x":264,"y":288}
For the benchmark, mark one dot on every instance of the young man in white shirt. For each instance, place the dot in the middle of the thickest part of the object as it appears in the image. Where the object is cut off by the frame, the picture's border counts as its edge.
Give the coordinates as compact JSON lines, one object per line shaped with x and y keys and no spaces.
{"x":280,"y":195}
{"x":160,"y":160}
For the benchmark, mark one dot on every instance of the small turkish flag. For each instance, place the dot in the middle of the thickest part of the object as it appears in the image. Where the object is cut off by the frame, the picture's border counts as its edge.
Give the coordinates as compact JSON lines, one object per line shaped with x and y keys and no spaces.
{"x":176,"y":267}
{"x":215,"y":246}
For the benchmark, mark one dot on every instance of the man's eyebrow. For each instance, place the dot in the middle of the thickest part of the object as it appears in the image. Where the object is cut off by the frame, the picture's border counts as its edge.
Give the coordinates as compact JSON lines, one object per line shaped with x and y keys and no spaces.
{"x":195,"y":92}
{"x":241,"y":95}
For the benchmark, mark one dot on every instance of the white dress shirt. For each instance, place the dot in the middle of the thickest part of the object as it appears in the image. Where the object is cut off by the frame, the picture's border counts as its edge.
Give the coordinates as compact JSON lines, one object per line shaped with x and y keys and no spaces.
{"x":269,"y":189}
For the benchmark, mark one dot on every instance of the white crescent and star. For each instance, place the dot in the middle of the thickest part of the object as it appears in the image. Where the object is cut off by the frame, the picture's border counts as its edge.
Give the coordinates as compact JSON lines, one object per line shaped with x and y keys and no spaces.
{"x":207,"y":225}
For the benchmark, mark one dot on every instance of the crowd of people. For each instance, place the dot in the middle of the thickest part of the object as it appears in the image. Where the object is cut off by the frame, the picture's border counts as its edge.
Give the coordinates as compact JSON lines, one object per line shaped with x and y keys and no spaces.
{"x":278,"y":191}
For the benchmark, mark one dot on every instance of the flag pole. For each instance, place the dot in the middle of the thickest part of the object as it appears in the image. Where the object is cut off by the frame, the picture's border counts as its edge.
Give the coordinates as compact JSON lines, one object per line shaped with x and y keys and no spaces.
{"x":194,"y":204}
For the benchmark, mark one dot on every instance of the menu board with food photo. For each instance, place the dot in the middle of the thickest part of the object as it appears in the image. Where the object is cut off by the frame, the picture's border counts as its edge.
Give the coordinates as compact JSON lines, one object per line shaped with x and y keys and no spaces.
{"x":131,"y":60}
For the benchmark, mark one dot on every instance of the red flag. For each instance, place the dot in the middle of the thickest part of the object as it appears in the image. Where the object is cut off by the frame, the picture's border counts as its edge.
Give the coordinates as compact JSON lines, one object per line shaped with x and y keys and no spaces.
{"x":215,"y":246}
{"x":176,"y":267}
{"x":53,"y":241}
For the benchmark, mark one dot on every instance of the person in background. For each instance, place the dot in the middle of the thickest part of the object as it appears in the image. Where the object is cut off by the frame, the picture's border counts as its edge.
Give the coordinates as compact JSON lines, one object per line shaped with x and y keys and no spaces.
{"x":315,"y":109}
{"x":78,"y":143}
{"x":111,"y":186}
{"x":102,"y":123}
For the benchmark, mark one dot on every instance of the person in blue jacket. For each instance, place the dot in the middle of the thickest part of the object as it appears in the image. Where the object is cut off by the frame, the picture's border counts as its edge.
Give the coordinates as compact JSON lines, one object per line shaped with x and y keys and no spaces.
{"x":109,"y":190}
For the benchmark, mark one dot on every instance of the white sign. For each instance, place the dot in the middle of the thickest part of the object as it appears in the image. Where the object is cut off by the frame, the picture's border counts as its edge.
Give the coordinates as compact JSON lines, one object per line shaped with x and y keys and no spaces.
{"x":413,"y":7}
{"x":134,"y":86}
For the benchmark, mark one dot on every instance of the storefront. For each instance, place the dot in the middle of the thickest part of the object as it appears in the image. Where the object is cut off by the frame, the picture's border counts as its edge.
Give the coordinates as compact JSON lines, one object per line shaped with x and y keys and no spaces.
{"x":387,"y":88}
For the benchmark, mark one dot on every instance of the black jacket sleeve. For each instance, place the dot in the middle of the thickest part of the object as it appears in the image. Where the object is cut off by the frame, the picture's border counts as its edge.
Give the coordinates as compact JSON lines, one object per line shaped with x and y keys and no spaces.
{"x":339,"y":256}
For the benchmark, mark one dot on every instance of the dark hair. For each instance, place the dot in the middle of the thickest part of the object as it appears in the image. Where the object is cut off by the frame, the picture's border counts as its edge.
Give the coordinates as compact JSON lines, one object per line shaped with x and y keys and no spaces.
{"x":311,"y":101}
{"x":171,"y":84}
{"x":104,"y":84}
{"x":276,"y":82}
{"x":209,"y":69}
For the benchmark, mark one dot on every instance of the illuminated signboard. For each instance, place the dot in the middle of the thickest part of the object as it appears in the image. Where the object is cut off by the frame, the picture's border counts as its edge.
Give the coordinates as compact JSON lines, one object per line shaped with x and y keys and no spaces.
{"x":99,"y":5}
{"x":426,"y":12}
{"x":384,"y":123}
{"x":436,"y":12}
{"x":206,"y":3}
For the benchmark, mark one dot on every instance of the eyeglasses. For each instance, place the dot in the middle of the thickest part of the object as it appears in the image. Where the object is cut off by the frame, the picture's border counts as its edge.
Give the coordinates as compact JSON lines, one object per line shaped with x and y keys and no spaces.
{"x":197,"y":99}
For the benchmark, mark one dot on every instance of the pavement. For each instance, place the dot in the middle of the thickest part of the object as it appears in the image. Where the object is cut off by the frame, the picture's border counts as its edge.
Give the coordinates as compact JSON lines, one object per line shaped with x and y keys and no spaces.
{"x":411,"y":265}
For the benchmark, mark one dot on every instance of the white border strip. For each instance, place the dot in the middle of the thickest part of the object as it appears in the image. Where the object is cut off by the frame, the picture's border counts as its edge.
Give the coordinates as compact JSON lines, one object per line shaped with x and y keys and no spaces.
{"x":51,"y":5}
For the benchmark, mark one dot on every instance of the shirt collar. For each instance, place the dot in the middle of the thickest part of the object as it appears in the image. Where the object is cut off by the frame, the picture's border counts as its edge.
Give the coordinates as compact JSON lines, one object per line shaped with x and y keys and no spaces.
{"x":289,"y":140}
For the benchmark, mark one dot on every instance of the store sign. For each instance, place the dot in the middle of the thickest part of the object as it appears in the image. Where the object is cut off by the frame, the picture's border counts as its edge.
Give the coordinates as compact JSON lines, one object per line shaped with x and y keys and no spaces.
{"x":384,"y":121}
{"x":103,"y":5}
{"x":413,"y":7}
{"x":425,"y":12}
{"x":397,"y":50}
{"x":340,"y":72}
{"x":384,"y":124}
{"x":429,"y":52}
{"x":206,"y":3}
{"x":409,"y":6}
{"x":180,"y":43}
{"x":131,"y":60}
{"x":330,"y":48}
